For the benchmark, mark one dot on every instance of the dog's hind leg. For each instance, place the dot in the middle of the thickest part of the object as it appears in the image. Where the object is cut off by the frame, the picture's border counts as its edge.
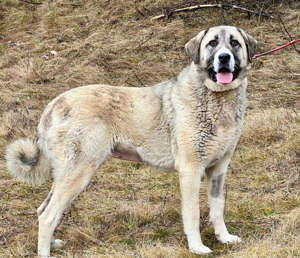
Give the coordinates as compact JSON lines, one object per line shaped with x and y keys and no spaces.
{"x":216,"y":177}
{"x":55,"y":243}
{"x":65,"y":189}
{"x":44,"y":204}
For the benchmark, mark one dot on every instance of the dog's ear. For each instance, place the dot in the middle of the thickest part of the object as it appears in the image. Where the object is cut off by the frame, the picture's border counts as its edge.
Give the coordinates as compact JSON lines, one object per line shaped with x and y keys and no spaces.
{"x":193,"y":46}
{"x":251,"y":44}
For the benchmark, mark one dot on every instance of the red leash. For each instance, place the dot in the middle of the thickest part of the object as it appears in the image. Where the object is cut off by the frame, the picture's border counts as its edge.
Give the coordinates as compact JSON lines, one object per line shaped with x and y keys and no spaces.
{"x":275,"y":49}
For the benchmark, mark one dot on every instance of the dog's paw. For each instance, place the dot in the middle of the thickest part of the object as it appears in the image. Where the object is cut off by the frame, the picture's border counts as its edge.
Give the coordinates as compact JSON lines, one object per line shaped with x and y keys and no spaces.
{"x":201,"y":249}
{"x":57,"y":243}
{"x":229,"y":239}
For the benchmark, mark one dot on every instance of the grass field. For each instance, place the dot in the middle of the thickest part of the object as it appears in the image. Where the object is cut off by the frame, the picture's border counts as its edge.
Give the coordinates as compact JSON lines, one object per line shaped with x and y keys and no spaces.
{"x":129,"y":209}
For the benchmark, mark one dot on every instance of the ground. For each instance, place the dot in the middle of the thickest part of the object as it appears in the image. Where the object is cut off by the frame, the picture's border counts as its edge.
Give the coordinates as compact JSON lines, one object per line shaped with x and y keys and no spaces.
{"x":130,"y":209}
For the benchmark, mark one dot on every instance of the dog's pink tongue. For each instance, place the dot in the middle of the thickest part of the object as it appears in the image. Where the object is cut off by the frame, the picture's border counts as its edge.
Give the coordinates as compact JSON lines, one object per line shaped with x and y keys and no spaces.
{"x":224,"y":77}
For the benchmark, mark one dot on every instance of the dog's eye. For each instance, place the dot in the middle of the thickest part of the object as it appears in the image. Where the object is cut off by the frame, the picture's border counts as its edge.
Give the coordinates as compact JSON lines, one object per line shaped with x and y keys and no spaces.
{"x":213,"y":43}
{"x":234,"y":43}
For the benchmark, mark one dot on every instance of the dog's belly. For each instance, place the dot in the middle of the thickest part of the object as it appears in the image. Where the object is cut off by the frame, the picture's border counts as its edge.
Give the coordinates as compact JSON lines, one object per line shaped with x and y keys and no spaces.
{"x":126,"y":153}
{"x":158,"y":153}
{"x":127,"y":156}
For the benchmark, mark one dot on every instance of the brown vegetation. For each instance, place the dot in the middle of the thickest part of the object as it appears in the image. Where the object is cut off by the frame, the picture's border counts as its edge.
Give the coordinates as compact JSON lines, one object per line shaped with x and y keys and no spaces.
{"x":129,"y":209}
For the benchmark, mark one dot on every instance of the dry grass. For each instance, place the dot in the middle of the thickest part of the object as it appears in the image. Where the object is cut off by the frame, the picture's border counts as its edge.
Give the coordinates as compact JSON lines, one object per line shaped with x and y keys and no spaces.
{"x":132,"y":210}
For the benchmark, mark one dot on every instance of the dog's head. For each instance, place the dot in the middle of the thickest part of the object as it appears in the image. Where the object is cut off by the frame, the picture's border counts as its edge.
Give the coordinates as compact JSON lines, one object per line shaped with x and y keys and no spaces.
{"x":223,"y":55}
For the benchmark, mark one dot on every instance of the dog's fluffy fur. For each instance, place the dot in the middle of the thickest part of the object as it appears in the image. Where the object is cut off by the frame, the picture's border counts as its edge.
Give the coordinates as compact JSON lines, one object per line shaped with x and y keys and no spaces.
{"x":191,"y":123}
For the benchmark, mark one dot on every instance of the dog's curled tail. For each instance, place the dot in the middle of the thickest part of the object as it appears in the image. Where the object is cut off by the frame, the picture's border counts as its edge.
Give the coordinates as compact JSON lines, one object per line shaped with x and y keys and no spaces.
{"x":26,"y":162}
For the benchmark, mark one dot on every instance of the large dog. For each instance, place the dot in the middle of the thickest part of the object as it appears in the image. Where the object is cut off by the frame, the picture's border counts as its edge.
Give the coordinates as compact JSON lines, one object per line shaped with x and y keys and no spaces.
{"x":191,"y":123}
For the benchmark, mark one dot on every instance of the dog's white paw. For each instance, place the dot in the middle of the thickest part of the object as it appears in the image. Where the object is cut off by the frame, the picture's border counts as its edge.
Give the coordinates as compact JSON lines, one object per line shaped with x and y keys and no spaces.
{"x":57,"y":243}
{"x":201,"y":249}
{"x":229,"y":239}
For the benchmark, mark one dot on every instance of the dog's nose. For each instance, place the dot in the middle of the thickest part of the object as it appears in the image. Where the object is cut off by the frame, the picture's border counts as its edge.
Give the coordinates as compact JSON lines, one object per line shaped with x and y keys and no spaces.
{"x":224,"y":58}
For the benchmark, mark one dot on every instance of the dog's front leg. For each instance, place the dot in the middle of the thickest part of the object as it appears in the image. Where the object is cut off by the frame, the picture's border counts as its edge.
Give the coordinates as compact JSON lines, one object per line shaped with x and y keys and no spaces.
{"x":190,"y":179}
{"x":216,"y":177}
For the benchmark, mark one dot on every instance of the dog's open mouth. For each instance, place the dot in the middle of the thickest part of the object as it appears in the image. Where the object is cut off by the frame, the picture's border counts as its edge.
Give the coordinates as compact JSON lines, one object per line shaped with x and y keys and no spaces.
{"x":224,"y":75}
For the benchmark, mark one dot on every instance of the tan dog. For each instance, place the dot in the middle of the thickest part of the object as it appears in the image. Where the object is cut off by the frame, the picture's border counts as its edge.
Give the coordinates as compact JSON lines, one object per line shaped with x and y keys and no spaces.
{"x":191,"y":123}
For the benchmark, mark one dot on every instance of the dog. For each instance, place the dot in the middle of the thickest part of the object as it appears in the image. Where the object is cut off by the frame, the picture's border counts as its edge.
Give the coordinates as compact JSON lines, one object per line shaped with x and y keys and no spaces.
{"x":191,"y":123}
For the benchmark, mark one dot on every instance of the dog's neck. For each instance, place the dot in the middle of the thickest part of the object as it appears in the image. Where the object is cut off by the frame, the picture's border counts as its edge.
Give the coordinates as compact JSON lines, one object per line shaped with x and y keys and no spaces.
{"x":194,"y":92}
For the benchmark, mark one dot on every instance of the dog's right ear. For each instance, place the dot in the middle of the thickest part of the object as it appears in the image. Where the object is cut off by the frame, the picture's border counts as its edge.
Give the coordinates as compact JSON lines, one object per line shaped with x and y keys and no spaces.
{"x":193,"y":46}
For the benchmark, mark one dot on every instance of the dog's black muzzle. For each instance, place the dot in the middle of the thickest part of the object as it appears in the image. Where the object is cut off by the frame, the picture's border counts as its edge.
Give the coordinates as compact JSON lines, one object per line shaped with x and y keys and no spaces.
{"x":224,"y":60}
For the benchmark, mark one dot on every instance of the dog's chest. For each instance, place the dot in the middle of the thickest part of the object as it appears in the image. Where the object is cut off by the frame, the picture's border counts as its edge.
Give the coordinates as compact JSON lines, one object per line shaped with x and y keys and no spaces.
{"x":227,"y":130}
{"x":218,"y":126}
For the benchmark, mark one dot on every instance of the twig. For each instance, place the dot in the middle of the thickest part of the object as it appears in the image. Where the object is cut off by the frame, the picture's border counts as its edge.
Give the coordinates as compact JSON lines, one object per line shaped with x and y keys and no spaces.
{"x":27,"y":109}
{"x":196,"y":7}
{"x":140,"y":11}
{"x":130,"y":84}
{"x":147,"y":39}
{"x":88,"y":237}
{"x":287,"y":32}
{"x":29,"y":2}
{"x":296,"y":113}
{"x":27,"y":214}
{"x":164,"y":203}
{"x":139,"y":80}
{"x":261,"y":10}
{"x":170,"y":45}
{"x":5,"y":236}
{"x":223,"y":18}
{"x":73,"y":5}
{"x":162,"y":208}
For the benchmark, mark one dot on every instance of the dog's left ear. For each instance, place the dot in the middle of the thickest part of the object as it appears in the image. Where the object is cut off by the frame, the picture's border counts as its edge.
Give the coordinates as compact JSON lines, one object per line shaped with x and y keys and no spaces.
{"x":251,"y":44}
{"x":192,"y":48}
